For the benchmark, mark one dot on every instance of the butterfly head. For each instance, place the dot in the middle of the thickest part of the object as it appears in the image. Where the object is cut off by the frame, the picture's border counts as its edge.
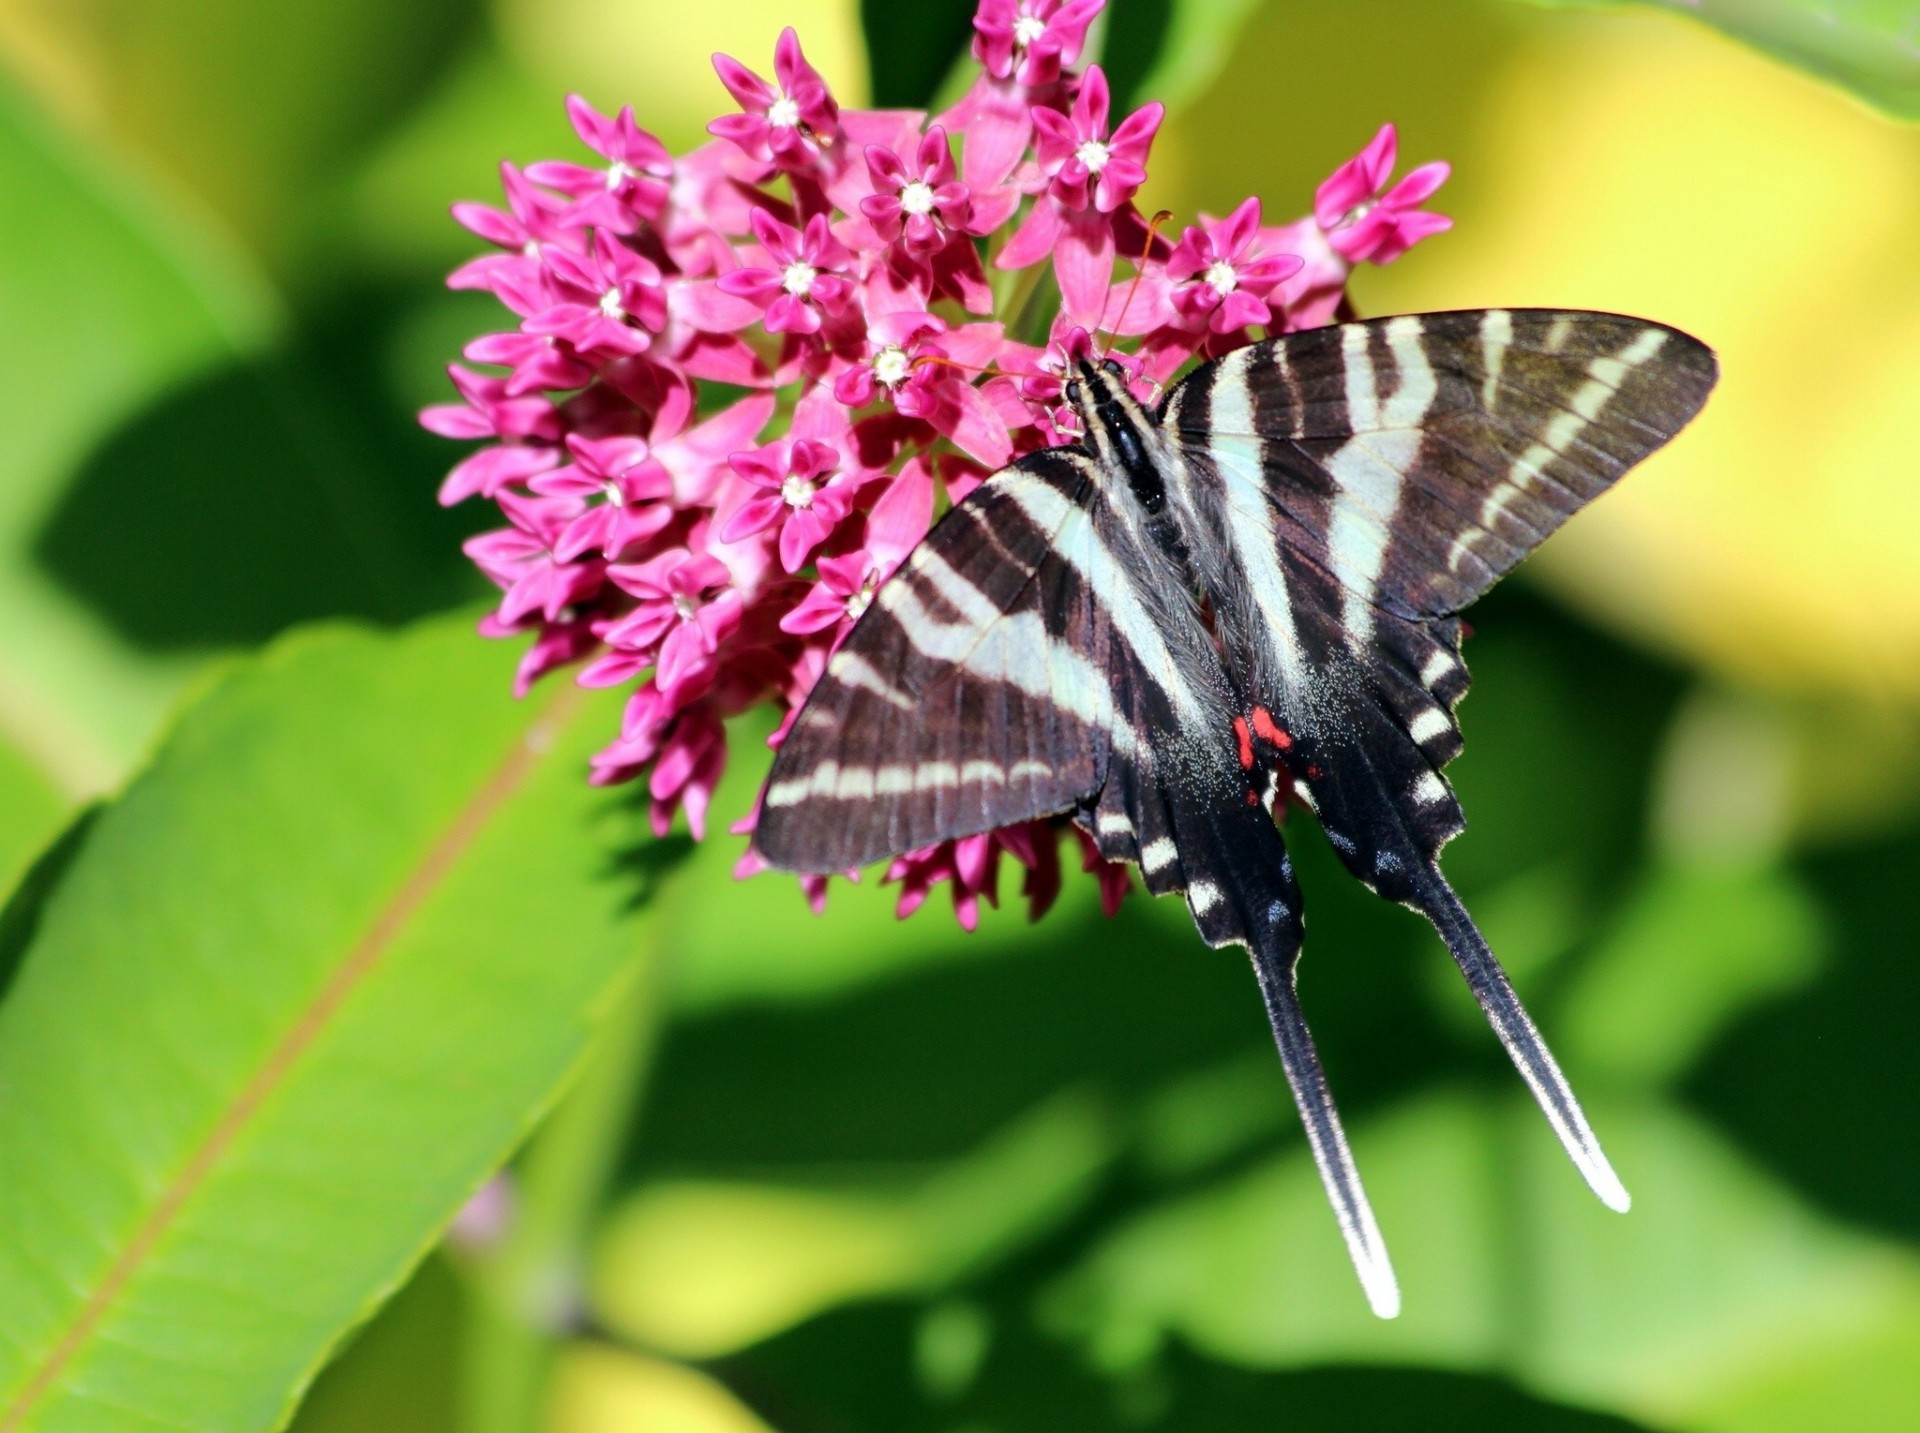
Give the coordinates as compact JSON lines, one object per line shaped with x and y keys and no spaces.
{"x":1097,"y":393}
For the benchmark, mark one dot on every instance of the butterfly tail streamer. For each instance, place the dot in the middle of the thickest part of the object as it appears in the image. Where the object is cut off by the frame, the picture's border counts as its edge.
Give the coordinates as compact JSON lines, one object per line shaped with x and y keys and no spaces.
{"x":1324,"y":1133}
{"x":1517,"y":1032}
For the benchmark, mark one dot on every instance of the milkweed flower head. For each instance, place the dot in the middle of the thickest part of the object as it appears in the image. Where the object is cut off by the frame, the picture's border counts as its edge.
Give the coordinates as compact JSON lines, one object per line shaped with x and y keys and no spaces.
{"x":737,"y":385}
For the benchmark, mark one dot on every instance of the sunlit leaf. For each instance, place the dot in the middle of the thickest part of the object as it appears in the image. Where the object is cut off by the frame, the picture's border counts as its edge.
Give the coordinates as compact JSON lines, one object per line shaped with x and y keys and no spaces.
{"x":299,"y":990}
{"x":604,"y":1390}
{"x":1869,"y":47}
{"x":702,"y":1268}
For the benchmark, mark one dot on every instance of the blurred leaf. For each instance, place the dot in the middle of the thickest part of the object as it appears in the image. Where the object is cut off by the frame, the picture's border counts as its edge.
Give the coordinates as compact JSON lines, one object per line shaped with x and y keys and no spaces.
{"x":489,"y":107}
{"x":1822,"y":1085}
{"x":299,"y":991}
{"x":701,"y":1269}
{"x":1253,"y":1270}
{"x":658,"y":58}
{"x":397,"y":1374}
{"x":259,"y":109}
{"x":288,"y":488}
{"x":1717,"y":1279}
{"x":910,"y":48}
{"x":1199,"y":1119}
{"x":1870,"y":47}
{"x":1694,"y":947}
{"x":1628,"y":161}
{"x":1200,"y":37}
{"x":108,"y":297}
{"x":30,"y":811}
{"x":604,"y":1390}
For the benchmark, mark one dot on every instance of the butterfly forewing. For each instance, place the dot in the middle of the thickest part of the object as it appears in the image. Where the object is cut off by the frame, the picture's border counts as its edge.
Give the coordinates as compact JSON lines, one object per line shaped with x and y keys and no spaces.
{"x":964,"y":698}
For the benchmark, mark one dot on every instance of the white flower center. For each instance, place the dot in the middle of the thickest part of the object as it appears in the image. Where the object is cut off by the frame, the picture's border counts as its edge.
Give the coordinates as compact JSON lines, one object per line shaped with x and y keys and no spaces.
{"x":797,"y":279}
{"x":1093,"y":154}
{"x":890,"y":366}
{"x":1026,"y":30}
{"x":615,"y":498}
{"x":686,"y":606}
{"x":618,"y":173}
{"x":797,"y":491}
{"x":610,"y":305}
{"x":917,"y":198}
{"x":531,"y":248}
{"x":1221,"y":277}
{"x":783,"y":113}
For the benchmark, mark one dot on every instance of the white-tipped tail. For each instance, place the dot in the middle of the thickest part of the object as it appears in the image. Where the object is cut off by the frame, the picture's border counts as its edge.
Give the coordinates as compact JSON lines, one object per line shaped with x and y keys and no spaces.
{"x":1528,"y":1051}
{"x":1327,"y":1139}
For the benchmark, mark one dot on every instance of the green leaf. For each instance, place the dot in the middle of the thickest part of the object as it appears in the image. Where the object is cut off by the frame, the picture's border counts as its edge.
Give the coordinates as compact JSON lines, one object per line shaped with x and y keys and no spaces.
{"x":1719,"y":1280}
{"x":1695,"y":947}
{"x":1869,"y":47}
{"x":1200,"y":38}
{"x":703,"y":1268}
{"x":108,"y":297}
{"x":295,"y":995}
{"x":259,"y":110}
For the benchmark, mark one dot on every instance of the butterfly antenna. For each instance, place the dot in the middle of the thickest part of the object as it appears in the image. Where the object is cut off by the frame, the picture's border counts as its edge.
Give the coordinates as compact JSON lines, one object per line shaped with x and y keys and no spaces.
{"x":987,"y":369}
{"x":1324,"y":1135}
{"x":1530,"y":1055}
{"x":1139,"y":272}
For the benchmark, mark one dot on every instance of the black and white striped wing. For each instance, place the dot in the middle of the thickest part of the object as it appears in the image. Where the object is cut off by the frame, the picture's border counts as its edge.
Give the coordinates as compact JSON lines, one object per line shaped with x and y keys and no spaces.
{"x":1365,"y":482}
{"x":1369,"y":480}
{"x":1418,"y":458}
{"x":964,"y":698}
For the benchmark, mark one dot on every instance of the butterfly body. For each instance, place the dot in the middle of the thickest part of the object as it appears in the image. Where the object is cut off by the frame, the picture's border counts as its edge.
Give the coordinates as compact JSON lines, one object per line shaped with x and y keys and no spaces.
{"x":1250,"y":586}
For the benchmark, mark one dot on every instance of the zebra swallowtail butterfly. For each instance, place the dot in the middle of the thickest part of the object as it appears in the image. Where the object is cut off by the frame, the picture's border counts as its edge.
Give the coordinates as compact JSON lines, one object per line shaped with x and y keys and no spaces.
{"x":1259,"y":578}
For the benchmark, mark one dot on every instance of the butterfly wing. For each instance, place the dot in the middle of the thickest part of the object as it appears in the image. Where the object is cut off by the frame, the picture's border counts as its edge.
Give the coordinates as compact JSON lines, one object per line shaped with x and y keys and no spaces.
{"x":1361,"y":484}
{"x":963,"y":698}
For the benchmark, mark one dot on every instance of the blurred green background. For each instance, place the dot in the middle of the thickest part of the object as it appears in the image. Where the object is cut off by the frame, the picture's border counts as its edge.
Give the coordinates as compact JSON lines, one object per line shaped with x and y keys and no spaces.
{"x":853,"y":1174}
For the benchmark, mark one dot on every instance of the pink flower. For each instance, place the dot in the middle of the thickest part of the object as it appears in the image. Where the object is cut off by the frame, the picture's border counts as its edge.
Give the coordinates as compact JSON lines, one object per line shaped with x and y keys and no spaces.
{"x":796,"y":496}
{"x":807,"y":276}
{"x":685,"y":606}
{"x":921,"y":204}
{"x":1222,"y":278}
{"x":529,"y":430}
{"x":631,"y":190}
{"x":1368,"y":223}
{"x":629,"y":487}
{"x":1090,"y":175}
{"x":1030,"y":41}
{"x":1081,"y":161}
{"x":532,"y":217}
{"x":843,"y":593}
{"x":732,"y":387}
{"x":783,"y":122}
{"x":605,"y":300}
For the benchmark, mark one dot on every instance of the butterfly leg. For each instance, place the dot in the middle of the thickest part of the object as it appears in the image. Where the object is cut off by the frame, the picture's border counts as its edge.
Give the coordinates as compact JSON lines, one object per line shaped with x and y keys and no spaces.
{"x":1437,"y":901}
{"x":1274,"y":968}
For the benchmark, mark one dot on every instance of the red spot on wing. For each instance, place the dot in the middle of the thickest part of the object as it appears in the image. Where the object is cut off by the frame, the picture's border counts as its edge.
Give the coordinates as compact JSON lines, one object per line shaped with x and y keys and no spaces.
{"x":1253,"y":797}
{"x":1246,"y":742}
{"x":1269,"y":730}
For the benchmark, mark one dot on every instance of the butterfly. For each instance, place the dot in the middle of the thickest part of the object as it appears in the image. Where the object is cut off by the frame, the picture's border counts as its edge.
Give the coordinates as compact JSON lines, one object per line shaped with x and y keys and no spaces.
{"x":1248,"y":589}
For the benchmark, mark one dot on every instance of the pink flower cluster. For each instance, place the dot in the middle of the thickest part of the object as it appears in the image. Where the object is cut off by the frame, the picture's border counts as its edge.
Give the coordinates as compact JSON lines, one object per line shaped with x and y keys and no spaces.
{"x":742,"y":380}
